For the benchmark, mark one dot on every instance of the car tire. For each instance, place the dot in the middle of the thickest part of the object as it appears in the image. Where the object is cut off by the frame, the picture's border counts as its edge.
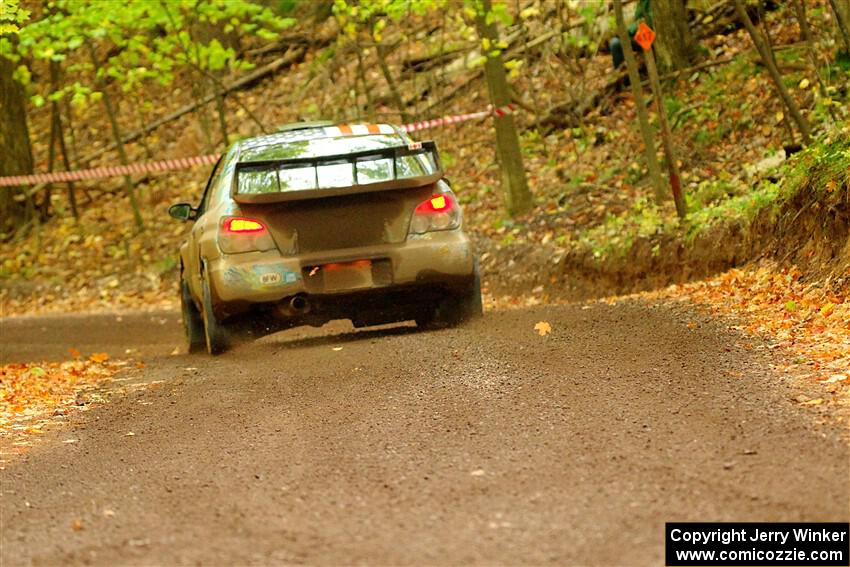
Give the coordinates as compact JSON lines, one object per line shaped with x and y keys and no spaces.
{"x":469,"y":305}
{"x":215,"y":333}
{"x":458,"y":309}
{"x":427,"y":319}
{"x":193,"y":321}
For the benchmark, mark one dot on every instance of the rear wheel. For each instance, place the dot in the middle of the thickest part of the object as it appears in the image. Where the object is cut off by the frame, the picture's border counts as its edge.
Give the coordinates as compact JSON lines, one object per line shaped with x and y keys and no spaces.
{"x":193,"y":322}
{"x":215,"y":334}
{"x":427,"y":319}
{"x":458,"y":309}
{"x":472,"y":304}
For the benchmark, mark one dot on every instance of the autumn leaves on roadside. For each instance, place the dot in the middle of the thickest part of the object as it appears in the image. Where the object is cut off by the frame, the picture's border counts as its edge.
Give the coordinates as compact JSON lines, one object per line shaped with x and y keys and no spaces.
{"x":31,"y":392}
{"x":807,"y":320}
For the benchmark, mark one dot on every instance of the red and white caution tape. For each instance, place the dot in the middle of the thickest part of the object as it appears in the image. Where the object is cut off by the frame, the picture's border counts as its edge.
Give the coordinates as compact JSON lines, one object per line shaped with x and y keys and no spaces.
{"x":115,"y":171}
{"x":186,"y":163}
{"x":437,"y":122}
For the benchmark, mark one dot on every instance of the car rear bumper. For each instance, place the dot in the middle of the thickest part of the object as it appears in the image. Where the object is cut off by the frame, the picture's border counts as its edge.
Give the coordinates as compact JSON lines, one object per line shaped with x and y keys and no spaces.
{"x":268,"y":277}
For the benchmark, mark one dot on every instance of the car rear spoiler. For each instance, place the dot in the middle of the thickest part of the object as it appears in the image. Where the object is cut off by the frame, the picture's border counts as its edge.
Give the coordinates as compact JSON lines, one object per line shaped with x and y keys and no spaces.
{"x":428,"y":148}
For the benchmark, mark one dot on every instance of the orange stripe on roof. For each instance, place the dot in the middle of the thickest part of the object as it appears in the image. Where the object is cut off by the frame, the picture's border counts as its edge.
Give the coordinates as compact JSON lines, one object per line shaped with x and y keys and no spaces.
{"x":345,"y":129}
{"x":373,"y":128}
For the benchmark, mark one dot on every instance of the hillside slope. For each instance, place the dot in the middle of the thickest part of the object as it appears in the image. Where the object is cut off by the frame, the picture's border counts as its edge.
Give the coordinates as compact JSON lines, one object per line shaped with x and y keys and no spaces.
{"x":593,"y":230}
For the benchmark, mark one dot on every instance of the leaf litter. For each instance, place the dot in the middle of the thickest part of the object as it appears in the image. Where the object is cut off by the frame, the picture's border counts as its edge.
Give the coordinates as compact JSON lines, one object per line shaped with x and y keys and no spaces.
{"x":808,"y":319}
{"x":33,"y":394}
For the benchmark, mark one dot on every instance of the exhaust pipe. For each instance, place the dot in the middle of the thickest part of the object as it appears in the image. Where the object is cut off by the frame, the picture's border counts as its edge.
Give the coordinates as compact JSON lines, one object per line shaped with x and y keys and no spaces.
{"x":299,"y":304}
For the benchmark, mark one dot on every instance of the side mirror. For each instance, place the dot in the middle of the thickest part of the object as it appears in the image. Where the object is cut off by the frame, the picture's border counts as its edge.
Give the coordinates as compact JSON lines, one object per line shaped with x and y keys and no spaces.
{"x":182,"y":211}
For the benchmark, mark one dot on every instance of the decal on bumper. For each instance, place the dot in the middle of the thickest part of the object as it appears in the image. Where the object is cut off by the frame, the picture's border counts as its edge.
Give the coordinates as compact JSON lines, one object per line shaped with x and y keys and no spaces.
{"x":259,"y":276}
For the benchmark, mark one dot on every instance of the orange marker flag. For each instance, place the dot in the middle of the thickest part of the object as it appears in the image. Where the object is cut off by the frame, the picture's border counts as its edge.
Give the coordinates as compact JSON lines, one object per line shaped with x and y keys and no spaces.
{"x":644,"y":36}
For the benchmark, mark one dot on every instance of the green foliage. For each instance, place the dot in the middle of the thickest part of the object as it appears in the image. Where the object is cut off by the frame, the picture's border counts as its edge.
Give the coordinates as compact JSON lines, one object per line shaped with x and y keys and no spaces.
{"x":532,"y":144}
{"x":585,"y":37}
{"x":375,"y":15}
{"x":743,"y":207}
{"x":448,"y":159}
{"x":287,"y":6}
{"x":166,"y":264}
{"x":498,"y":12}
{"x":147,"y":40}
{"x":11,"y":16}
{"x":711,"y":191}
{"x":618,"y":233}
{"x":822,"y":170}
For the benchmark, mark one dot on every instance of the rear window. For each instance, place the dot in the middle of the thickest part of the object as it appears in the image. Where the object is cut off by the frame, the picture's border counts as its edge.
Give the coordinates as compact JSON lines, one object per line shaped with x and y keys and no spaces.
{"x":281,"y":148}
{"x":335,"y":172}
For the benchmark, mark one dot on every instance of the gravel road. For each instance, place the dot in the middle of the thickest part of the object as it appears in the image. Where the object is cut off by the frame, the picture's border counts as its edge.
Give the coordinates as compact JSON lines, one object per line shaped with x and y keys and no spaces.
{"x":486,"y":444}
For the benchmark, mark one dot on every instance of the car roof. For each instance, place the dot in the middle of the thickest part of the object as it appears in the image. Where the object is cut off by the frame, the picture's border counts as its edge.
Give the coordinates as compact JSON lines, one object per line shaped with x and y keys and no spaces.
{"x":318,"y":140}
{"x":305,"y":125}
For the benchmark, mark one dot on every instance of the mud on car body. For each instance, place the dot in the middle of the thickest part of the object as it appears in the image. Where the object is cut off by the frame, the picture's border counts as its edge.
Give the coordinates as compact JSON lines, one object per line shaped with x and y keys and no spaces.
{"x":315,"y":223}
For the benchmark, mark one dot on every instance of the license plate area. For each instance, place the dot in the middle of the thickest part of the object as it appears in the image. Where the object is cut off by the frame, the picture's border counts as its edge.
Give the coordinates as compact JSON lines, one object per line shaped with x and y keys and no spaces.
{"x":347,"y":276}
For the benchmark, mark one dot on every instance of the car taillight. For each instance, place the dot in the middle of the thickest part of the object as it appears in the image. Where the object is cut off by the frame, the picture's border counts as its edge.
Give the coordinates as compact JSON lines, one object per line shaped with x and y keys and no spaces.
{"x":236,"y":224}
{"x":439,"y":212}
{"x":239,"y":234}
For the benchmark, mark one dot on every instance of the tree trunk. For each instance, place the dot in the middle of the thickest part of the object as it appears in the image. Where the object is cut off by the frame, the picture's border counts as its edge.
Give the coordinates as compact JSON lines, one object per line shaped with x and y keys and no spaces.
{"x":768,"y":60}
{"x":199,"y":94}
{"x":72,"y":133}
{"x":72,"y":195}
{"x":56,"y":117}
{"x":14,"y":144}
{"x":535,"y":99}
{"x":380,"y":51}
{"x":51,"y":161}
{"x":221,"y":110}
{"x":806,"y":33}
{"x":674,"y":42}
{"x":646,"y":129}
{"x":119,"y":144}
{"x":364,"y":84}
{"x":841,"y":9}
{"x":763,"y":31}
{"x":666,"y":136}
{"x":517,"y":196}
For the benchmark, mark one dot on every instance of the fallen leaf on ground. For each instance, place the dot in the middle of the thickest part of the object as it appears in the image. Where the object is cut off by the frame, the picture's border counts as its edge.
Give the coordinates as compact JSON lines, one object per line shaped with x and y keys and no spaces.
{"x":29,"y":392}
{"x":543,"y":328}
{"x":99,"y":357}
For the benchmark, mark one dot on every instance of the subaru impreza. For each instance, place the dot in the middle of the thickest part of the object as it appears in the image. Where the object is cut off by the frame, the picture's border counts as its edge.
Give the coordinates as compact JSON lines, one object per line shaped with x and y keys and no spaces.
{"x":318,"y":222}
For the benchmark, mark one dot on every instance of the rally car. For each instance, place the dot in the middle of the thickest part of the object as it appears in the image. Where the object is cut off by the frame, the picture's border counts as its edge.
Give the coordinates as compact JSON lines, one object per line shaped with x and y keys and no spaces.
{"x":317,"y":222}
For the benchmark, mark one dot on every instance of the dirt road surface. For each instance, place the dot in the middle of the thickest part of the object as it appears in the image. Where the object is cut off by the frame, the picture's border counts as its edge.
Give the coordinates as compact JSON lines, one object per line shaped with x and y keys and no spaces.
{"x":481,"y":445}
